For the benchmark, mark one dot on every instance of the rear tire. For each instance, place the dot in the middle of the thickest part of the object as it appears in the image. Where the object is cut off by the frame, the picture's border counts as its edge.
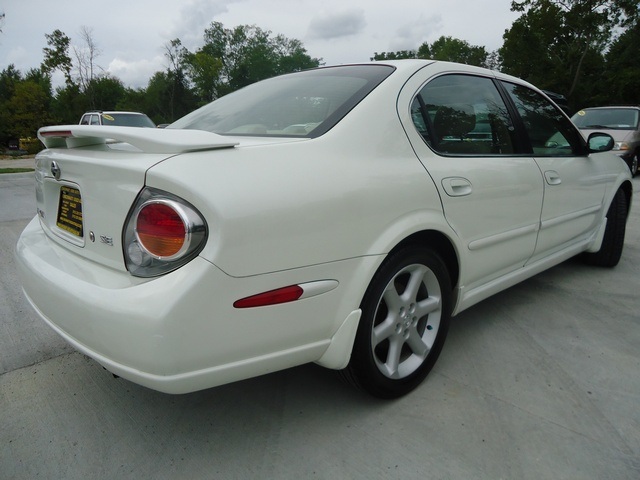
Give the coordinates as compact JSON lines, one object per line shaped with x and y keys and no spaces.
{"x":405,"y":318}
{"x":613,"y":241}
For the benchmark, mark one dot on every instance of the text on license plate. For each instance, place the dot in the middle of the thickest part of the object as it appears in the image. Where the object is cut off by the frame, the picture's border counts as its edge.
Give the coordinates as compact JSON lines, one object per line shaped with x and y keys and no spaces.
{"x":70,"y":211}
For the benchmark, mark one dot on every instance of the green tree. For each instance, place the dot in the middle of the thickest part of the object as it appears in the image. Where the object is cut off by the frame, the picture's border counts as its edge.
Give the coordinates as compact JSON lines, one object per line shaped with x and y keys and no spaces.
{"x":557,"y":43}
{"x":9,"y":78}
{"x":56,"y":55}
{"x":623,"y":69}
{"x":30,"y":109}
{"x":204,"y":71}
{"x":169,"y":95}
{"x":240,"y":56}
{"x":447,"y":49}
{"x":68,"y":104}
{"x":292,"y":56}
{"x":455,"y":50}
{"x":168,"y":98}
{"x":25,"y":103}
{"x":254,"y":57}
{"x":159,"y":104}
{"x":228,"y":60}
{"x":42,"y":79}
{"x":133,"y":99}
{"x":176,"y":86}
{"x":399,"y":55}
{"x":106,"y":92}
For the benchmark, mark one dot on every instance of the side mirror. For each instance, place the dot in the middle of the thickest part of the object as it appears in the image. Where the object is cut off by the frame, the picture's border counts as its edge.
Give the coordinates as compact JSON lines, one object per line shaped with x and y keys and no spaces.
{"x":600,"y":142}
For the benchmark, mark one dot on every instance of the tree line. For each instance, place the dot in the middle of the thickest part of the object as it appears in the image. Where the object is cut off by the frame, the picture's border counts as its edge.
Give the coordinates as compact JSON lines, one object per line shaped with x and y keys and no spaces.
{"x":586,"y":50}
{"x":228,"y":60}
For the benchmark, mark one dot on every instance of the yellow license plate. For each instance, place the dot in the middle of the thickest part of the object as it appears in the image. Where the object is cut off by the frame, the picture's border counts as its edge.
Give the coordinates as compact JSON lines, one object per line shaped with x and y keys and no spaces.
{"x":70,"y":211}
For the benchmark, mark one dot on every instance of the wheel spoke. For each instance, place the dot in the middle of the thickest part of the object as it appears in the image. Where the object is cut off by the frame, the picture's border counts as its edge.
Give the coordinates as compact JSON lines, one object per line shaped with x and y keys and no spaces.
{"x":415,"y":280}
{"x":391,"y":298}
{"x":393,"y":356}
{"x":427,"y":306}
{"x":417,"y":343}
{"x":384,"y":330}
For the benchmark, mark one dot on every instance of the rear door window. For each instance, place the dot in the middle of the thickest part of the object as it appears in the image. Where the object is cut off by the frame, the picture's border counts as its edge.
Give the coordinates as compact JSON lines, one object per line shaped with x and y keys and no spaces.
{"x":463,"y":115}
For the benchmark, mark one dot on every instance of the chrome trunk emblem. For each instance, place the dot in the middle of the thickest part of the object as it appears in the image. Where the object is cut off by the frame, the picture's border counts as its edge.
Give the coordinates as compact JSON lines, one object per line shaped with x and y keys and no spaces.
{"x":55,"y":170}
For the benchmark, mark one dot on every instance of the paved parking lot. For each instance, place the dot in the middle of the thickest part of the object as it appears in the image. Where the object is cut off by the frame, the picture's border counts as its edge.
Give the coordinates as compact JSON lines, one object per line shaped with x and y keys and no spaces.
{"x":539,"y":382}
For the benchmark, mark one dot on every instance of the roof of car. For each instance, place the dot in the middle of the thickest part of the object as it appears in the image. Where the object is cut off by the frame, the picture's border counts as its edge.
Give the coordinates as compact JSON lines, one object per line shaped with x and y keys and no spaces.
{"x":634,"y":107}
{"x":110,"y":112}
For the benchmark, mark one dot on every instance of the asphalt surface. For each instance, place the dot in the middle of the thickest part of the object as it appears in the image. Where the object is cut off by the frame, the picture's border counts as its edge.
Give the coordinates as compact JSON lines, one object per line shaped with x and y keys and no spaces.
{"x":18,"y":162}
{"x":539,"y":382}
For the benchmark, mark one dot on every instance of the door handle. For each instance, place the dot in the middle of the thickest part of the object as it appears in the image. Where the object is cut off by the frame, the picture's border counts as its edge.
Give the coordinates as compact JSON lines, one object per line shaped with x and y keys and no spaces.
{"x":552,"y":177}
{"x":457,"y":186}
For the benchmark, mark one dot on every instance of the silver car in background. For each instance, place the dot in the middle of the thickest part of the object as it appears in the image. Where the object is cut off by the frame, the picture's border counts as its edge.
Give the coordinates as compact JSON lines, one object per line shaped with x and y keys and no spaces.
{"x":622,"y":123}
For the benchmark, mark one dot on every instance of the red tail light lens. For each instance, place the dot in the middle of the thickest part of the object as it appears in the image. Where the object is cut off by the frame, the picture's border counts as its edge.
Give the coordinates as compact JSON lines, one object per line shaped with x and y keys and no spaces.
{"x":162,"y":233}
{"x":161,"y":230}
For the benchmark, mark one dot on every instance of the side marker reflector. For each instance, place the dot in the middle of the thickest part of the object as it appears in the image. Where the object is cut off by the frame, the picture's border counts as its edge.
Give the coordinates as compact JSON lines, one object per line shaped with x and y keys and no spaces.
{"x":272,"y":297}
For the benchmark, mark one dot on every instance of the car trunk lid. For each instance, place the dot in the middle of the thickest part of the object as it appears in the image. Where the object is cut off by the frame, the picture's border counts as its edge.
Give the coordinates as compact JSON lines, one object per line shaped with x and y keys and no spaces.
{"x":87,"y":180}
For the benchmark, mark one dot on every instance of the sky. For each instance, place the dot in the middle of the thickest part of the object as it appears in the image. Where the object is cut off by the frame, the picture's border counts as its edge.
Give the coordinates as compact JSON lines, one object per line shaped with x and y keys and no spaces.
{"x":131,"y":34}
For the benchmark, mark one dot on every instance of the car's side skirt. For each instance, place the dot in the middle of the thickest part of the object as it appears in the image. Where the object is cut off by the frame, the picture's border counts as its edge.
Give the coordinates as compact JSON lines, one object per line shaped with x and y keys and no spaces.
{"x":471,"y":297}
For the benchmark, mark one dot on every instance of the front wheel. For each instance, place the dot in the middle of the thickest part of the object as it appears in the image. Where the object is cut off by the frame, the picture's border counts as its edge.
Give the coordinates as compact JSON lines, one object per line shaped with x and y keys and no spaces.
{"x":405,"y":318}
{"x":614,"y":232}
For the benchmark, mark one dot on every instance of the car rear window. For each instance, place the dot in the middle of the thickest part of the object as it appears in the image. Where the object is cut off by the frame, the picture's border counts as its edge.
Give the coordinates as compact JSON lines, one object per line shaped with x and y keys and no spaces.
{"x":305,"y":104}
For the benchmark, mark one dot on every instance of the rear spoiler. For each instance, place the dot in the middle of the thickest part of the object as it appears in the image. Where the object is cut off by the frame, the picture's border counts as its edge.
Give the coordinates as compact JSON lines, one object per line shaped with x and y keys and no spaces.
{"x":149,"y":140}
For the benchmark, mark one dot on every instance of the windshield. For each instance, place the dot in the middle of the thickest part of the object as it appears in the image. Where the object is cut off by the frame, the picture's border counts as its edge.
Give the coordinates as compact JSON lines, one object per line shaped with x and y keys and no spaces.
{"x":127,"y":120}
{"x":303,"y":104}
{"x":611,"y":118}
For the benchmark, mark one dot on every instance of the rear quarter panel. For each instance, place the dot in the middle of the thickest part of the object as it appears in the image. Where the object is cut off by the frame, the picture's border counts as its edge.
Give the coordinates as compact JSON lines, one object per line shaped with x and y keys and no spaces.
{"x":355,"y":191}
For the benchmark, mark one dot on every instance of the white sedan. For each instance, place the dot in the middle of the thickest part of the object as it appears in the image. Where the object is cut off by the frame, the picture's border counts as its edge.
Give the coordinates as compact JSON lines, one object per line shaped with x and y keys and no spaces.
{"x":339,"y":215}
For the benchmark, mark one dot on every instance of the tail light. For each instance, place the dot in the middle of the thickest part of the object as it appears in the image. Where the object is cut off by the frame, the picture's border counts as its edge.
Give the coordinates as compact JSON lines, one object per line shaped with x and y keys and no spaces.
{"x":162,"y":233}
{"x":162,"y":229}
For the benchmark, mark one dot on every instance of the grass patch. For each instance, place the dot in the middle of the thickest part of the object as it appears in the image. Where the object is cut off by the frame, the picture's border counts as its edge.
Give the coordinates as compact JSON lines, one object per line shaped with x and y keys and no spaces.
{"x":15,"y":170}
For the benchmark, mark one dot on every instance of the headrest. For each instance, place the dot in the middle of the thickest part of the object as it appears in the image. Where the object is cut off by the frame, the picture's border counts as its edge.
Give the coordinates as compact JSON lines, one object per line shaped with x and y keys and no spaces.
{"x":455,"y":120}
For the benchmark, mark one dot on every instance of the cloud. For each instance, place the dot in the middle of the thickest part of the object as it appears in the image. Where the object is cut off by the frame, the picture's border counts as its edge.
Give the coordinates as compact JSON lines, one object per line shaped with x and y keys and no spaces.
{"x":17,"y":55}
{"x":135,"y":73}
{"x":336,"y":25}
{"x":411,"y":35}
{"x":195,"y":16}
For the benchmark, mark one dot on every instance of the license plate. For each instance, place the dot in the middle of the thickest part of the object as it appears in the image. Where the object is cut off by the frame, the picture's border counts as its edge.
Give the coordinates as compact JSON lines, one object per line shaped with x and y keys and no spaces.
{"x":70,"y":211}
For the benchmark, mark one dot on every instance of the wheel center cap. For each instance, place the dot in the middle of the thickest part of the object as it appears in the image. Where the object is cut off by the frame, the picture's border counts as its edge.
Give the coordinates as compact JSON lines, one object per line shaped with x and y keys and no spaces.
{"x":406,"y":315}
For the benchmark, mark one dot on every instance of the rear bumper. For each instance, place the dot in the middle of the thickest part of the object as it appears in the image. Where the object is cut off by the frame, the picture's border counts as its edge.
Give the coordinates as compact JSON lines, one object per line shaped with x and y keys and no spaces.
{"x":179,"y":332}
